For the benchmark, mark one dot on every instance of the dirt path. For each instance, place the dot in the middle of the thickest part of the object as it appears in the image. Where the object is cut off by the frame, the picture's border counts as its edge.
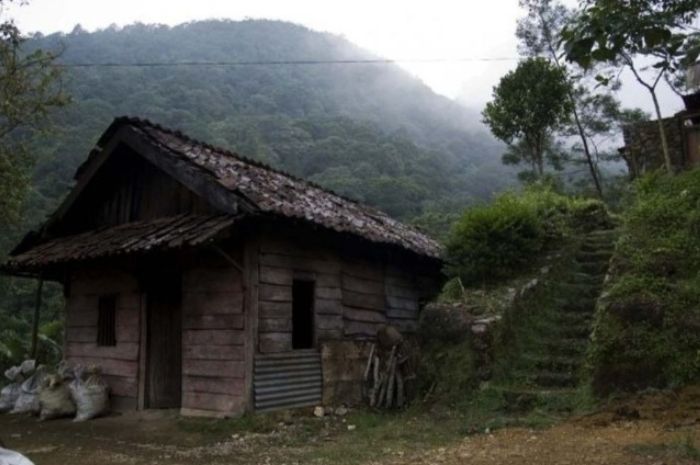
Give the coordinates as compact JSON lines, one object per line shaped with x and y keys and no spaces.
{"x":647,"y":430}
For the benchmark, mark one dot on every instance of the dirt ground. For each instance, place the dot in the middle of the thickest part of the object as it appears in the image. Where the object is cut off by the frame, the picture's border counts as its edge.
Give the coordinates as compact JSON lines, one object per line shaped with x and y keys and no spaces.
{"x":652,"y":429}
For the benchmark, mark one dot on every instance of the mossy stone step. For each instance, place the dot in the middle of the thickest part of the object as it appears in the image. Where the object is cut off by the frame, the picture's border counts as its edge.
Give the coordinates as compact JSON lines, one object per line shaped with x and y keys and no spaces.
{"x":564,"y":347}
{"x":578,"y":305}
{"x":554,"y":379}
{"x":607,"y":247}
{"x":575,"y":290}
{"x":548,"y":329}
{"x":594,"y":256}
{"x":591,"y":267}
{"x":554,"y":363}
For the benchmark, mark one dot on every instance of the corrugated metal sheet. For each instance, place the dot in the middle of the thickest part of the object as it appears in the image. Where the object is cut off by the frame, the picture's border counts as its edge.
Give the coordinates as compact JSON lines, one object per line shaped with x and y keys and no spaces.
{"x":287,"y":380}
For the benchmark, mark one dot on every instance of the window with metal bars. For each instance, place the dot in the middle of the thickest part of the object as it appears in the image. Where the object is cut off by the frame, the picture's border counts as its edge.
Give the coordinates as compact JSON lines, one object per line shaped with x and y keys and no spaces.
{"x":107,"y":320}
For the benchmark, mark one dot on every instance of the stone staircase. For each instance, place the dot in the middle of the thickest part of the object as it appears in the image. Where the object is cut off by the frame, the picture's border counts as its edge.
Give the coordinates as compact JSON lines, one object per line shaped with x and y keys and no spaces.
{"x":550,"y":338}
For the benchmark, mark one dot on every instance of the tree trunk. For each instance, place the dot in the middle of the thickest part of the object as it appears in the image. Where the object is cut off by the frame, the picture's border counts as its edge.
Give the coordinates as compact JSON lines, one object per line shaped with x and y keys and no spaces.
{"x":662,"y":133}
{"x":586,"y":150}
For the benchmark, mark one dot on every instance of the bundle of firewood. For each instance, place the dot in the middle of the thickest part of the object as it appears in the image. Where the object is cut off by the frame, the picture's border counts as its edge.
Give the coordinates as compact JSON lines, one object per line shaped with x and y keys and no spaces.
{"x":384,"y":377}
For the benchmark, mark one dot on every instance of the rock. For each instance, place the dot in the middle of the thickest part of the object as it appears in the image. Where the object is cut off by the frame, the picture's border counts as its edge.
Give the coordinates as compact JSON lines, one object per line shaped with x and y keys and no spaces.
{"x":319,"y":411}
{"x":352,"y":427}
{"x":341,"y":411}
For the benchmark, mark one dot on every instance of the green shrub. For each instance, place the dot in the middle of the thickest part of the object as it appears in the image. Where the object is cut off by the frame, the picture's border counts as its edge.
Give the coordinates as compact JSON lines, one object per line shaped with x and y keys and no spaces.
{"x":498,"y":240}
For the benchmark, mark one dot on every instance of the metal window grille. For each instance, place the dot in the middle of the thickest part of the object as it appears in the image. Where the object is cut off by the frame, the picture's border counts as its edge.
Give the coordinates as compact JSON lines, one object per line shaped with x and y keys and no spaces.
{"x":106,"y":321}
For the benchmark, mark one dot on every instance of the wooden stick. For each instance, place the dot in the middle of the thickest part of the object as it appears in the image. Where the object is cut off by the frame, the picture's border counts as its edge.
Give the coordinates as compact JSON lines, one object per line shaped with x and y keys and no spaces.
{"x":369,"y":363}
{"x":391,"y":378}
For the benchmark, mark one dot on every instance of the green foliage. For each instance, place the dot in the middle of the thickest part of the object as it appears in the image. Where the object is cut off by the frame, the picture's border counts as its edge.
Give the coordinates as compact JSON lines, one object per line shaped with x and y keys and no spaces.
{"x":646,"y":328}
{"x":373,"y":133}
{"x":494,"y":241}
{"x":529,"y":104}
{"x":29,"y":90}
{"x":498,"y":240}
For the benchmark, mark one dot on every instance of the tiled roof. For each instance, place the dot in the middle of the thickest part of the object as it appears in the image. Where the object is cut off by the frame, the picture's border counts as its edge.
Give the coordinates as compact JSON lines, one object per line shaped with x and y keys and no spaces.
{"x":272,"y":191}
{"x":141,"y":236}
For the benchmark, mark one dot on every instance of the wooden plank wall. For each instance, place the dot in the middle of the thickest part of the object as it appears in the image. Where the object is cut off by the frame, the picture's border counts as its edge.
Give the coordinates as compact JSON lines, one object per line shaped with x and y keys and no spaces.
{"x":280,"y":263}
{"x":354,"y":297}
{"x":119,"y":363}
{"x":213,"y":356}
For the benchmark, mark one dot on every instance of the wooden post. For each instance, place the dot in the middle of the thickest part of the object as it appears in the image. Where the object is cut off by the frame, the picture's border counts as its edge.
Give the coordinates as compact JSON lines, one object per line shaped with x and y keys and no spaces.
{"x":35,"y":323}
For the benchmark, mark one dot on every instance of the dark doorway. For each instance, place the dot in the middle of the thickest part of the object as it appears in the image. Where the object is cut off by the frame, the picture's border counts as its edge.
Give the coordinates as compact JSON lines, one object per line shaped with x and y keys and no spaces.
{"x":302,"y":314}
{"x":164,"y":342}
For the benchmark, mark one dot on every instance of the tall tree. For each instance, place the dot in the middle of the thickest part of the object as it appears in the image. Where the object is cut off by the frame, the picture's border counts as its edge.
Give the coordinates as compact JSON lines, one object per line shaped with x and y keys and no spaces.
{"x":539,"y":33}
{"x":529,"y":105}
{"x":29,"y":89}
{"x":618,"y":31}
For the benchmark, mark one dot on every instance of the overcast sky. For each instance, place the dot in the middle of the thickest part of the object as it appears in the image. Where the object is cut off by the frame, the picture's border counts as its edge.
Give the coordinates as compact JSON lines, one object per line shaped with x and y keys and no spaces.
{"x":396,"y":29}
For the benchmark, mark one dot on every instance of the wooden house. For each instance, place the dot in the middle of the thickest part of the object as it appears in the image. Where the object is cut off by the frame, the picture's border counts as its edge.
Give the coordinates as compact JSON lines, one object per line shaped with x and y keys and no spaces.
{"x":201,"y":280}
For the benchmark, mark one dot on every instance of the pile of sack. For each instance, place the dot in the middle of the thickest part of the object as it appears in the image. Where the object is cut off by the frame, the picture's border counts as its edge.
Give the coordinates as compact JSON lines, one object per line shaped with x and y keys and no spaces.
{"x":77,"y":392}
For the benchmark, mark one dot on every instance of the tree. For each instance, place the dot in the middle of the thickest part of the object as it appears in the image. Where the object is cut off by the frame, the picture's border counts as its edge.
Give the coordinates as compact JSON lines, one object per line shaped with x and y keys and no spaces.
{"x":29,"y":89}
{"x":529,"y":105}
{"x":539,"y":35}
{"x":618,"y":31}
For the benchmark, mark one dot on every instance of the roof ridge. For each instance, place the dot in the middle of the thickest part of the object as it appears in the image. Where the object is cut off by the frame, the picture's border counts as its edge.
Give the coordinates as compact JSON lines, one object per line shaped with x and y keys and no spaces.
{"x":136,"y":120}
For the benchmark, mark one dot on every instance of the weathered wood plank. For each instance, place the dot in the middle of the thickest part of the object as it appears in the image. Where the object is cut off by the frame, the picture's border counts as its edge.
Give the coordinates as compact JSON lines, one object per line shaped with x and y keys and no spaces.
{"x":401,"y":314}
{"x":274,"y":293}
{"x":109,"y":366}
{"x":275,"y":325}
{"x":274,"y":275}
{"x":229,"y":386}
{"x":366,"y":301}
{"x":121,"y":351}
{"x":234,"y":352}
{"x":330,"y":334}
{"x":275,"y":342}
{"x":404,"y":292}
{"x":370,"y":316}
{"x":213,"y":280}
{"x":214,"y":402}
{"x":125,"y":386}
{"x":328,"y":306}
{"x":365,"y":286}
{"x":214,"y":303}
{"x":324,"y":322}
{"x":222,"y":321}
{"x":328,"y":293}
{"x":213,"y":336}
{"x":214,"y":368}
{"x":275,"y":309}
{"x":361,"y":329}
{"x":402,"y":303}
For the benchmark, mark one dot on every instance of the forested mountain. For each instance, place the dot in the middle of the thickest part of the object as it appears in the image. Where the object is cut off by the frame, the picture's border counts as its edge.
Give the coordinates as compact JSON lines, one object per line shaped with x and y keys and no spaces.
{"x":368,"y":131}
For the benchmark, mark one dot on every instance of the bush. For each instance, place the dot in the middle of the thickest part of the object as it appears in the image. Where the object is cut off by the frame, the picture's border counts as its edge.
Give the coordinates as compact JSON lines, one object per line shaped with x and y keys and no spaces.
{"x":647,"y":325}
{"x":496,"y":241}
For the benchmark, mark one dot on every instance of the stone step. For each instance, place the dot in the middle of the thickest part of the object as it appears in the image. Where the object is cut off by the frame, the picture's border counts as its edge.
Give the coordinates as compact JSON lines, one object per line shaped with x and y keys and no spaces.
{"x":599,"y":268}
{"x":579,"y":305}
{"x":554,"y":379}
{"x":554,"y":363}
{"x":564,"y":347}
{"x":597,"y":246}
{"x":597,"y":256}
{"x":575,"y":291}
{"x":548,"y":329}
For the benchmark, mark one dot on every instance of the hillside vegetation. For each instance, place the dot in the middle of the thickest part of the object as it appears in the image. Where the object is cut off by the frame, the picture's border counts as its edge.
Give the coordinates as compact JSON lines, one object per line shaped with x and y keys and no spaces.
{"x":646,"y":333}
{"x":368,"y":131}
